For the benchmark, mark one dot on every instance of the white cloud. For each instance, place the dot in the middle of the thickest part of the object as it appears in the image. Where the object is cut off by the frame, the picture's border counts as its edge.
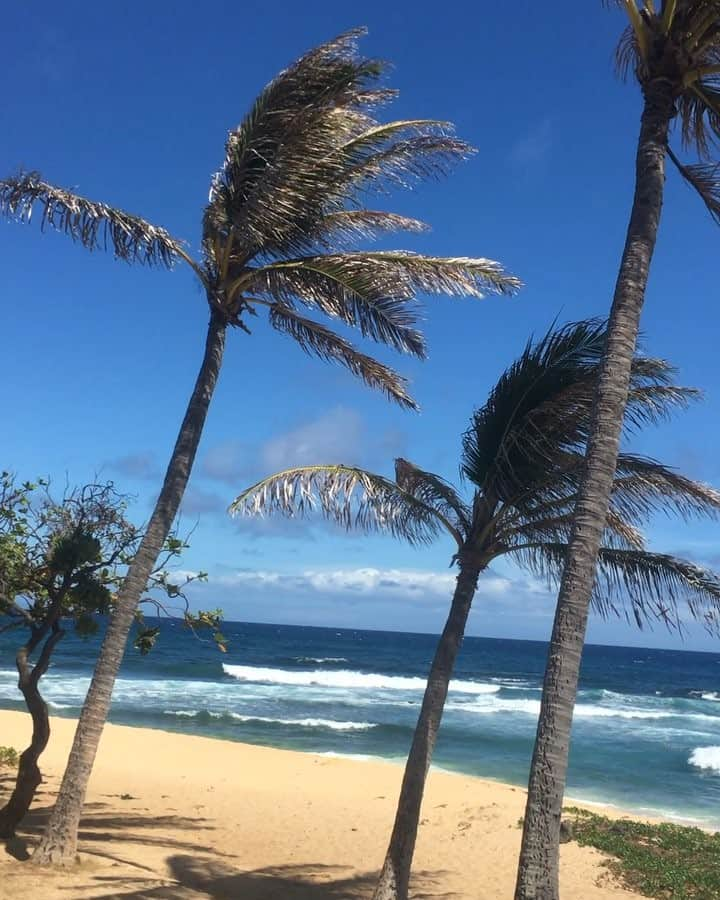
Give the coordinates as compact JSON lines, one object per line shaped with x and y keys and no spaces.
{"x":339,"y":435}
{"x":534,"y":146}
{"x":368,"y":582}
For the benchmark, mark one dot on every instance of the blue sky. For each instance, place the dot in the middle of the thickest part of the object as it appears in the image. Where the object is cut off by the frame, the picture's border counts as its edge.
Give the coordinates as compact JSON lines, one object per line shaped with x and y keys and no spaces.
{"x":131,"y":105}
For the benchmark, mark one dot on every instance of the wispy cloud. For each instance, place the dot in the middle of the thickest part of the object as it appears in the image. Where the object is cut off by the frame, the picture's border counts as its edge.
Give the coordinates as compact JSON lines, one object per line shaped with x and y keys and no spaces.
{"x":339,"y":435}
{"x":142,"y":466}
{"x":534,"y":146}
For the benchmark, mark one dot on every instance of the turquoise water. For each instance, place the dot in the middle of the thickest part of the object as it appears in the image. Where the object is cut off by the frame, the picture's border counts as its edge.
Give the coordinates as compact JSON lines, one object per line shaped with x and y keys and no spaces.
{"x":646,"y":734}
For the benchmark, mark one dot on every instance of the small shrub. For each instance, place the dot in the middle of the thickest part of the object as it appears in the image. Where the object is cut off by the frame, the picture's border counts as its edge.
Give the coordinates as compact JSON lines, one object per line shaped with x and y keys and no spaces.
{"x":8,"y":757}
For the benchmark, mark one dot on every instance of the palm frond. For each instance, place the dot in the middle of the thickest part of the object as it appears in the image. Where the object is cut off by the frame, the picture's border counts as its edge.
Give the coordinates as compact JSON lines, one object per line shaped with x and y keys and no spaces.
{"x":555,"y":525}
{"x":94,"y":225}
{"x":345,"y":286}
{"x":319,"y":341}
{"x":351,"y":497}
{"x":350,"y":225}
{"x":643,"y":486}
{"x":705,"y":179}
{"x":309,"y":147}
{"x":539,"y":413}
{"x":637,"y":583}
{"x":420,"y":158}
{"x":519,"y":425}
{"x":434,"y":491}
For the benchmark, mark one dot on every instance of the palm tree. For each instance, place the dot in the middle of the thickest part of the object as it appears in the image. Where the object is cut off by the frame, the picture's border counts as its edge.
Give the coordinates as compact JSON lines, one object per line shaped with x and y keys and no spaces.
{"x":673,"y":49}
{"x":523,"y":458}
{"x":282,"y":212}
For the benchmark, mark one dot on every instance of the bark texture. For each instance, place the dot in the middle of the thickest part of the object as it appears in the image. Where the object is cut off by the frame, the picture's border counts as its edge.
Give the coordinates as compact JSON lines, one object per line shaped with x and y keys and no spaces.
{"x":58,"y":844}
{"x":538,"y":877}
{"x":29,"y":777}
{"x":395,"y":875}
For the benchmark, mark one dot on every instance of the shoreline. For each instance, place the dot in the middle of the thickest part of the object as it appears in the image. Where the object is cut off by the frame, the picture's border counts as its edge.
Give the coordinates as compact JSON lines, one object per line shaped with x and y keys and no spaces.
{"x":603,"y":807}
{"x":193,"y":817}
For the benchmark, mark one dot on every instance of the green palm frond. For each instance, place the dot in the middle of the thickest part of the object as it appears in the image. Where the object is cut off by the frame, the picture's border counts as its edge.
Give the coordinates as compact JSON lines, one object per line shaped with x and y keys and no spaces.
{"x":647,"y":586}
{"x":309,"y":146}
{"x":346,"y":286}
{"x":434,"y":491}
{"x":705,"y":179}
{"x":350,"y":225}
{"x":677,"y":43}
{"x":94,"y":225}
{"x":373,"y":291}
{"x":522,"y":423}
{"x":541,"y":408}
{"x":643,"y":486}
{"x":351,"y":497}
{"x":555,"y":526}
{"x":319,"y":341}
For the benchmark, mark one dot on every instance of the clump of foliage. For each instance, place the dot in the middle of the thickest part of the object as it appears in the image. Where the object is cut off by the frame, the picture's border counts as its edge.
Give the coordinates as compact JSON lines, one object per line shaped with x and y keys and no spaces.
{"x":671,"y":862}
{"x":62,"y":562}
{"x":8,"y":757}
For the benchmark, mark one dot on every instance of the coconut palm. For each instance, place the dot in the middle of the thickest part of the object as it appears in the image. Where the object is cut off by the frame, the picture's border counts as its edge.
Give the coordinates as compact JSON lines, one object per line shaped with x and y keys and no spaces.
{"x":672,"y":48}
{"x":522,"y":460}
{"x":283,"y":211}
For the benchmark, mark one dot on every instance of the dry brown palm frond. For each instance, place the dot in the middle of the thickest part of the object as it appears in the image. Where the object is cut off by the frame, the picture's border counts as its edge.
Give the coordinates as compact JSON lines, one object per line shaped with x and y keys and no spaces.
{"x":95,"y":225}
{"x":351,"y":497}
{"x":317,"y":340}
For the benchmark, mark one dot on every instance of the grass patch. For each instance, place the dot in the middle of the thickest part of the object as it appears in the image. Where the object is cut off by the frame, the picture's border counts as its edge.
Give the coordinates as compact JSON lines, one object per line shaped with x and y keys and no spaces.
{"x":670,"y":862}
{"x":8,"y":757}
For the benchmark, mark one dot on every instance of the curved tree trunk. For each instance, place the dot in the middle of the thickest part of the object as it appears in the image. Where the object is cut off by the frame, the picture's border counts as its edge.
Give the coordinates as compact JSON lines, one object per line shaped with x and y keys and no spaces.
{"x":539,"y":856}
{"x":395,"y":875}
{"x":58,"y":843}
{"x":29,"y":777}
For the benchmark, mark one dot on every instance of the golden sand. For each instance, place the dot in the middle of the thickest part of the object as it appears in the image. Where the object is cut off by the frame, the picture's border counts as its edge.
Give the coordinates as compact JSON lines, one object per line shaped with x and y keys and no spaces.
{"x":177,"y":817}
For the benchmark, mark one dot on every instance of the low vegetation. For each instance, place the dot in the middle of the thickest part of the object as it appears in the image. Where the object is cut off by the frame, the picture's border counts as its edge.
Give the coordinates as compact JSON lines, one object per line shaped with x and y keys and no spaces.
{"x":670,"y":862}
{"x":8,"y":757}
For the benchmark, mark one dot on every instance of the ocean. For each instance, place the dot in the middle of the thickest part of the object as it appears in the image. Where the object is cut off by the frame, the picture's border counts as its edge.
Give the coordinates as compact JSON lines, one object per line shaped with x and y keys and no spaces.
{"x":646,"y":734}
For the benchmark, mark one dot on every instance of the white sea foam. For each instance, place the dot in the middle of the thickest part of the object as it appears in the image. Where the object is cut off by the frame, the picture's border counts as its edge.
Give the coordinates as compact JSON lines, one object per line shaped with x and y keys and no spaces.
{"x":347,"y":679}
{"x":270,"y":720}
{"x":493,"y":705}
{"x":706,"y":758}
{"x":320,"y":659}
{"x":711,"y":695}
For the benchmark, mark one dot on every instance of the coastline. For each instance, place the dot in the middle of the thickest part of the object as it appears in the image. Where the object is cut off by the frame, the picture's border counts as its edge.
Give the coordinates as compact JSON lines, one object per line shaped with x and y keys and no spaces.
{"x":183,"y":816}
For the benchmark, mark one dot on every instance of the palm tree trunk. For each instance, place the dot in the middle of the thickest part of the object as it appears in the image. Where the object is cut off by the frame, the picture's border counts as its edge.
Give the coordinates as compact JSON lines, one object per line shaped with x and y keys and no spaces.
{"x":58,"y":844}
{"x":539,"y":857}
{"x":395,"y":876}
{"x":29,"y":777}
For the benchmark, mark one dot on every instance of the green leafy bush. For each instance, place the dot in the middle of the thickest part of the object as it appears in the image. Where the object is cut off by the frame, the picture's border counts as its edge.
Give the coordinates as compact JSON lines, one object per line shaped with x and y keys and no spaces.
{"x":8,"y":757}
{"x":670,"y":862}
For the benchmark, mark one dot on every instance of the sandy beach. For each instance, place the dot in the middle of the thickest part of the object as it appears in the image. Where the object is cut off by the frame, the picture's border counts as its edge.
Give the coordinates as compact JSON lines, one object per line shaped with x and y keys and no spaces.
{"x":175,"y":816}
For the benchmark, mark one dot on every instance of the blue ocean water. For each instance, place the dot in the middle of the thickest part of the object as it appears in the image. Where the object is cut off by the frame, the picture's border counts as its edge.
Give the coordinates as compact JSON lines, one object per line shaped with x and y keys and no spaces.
{"x":646,"y":733}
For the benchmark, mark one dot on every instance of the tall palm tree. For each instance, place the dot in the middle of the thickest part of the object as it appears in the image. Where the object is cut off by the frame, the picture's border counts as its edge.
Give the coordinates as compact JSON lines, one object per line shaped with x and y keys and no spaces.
{"x":522,"y":456}
{"x":673,"y":49}
{"x":282,"y":211}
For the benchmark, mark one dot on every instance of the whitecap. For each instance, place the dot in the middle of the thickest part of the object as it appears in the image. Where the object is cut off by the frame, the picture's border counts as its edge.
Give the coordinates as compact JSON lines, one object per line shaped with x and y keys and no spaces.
{"x":706,"y":758}
{"x":344,"y":678}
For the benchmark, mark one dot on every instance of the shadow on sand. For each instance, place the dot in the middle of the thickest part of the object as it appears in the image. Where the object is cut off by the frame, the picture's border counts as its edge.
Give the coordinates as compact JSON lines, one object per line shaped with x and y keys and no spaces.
{"x":195,"y":868}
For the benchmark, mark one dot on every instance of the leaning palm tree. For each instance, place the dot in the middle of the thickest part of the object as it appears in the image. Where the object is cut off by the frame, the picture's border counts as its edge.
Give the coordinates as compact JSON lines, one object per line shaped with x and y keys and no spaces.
{"x":523,"y":458}
{"x":673,"y":49}
{"x":283,"y":211}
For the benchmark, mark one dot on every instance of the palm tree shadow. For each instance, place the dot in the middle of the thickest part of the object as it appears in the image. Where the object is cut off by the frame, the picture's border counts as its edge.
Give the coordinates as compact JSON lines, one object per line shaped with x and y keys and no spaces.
{"x":103,"y":825}
{"x":194,"y":877}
